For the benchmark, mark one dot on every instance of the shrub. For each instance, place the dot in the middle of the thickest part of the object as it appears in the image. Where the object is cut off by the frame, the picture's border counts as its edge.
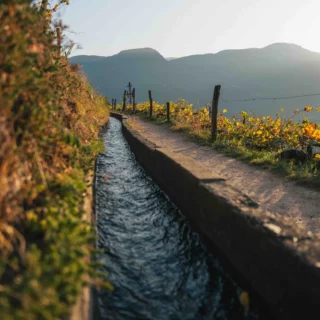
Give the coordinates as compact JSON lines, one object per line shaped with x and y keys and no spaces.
{"x":49,"y":118}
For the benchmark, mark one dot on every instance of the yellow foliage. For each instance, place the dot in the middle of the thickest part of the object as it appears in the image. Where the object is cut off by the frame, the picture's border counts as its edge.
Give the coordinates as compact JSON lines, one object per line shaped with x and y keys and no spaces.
{"x":263,"y":132}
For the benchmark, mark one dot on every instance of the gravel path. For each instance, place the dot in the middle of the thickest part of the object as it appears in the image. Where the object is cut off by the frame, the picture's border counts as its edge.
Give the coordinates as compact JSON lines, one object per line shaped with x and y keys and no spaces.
{"x":272,"y":192}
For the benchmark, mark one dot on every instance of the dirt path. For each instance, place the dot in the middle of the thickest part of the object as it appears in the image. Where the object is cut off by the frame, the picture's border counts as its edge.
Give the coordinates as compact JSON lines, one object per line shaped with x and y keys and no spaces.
{"x":271,"y":191}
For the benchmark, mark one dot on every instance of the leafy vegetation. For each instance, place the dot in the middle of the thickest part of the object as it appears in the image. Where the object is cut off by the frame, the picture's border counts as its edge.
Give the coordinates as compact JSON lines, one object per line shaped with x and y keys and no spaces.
{"x":259,"y":140}
{"x":49,"y":123}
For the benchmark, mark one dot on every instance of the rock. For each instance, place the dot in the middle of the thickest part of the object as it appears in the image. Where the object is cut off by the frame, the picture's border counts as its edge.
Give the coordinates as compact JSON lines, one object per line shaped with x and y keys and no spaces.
{"x":316,"y":150}
{"x":293,"y":154}
{"x":276,"y":229}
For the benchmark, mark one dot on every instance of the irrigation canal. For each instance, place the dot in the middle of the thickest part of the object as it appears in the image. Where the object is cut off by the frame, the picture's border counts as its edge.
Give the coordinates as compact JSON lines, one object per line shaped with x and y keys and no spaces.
{"x":159,"y":267}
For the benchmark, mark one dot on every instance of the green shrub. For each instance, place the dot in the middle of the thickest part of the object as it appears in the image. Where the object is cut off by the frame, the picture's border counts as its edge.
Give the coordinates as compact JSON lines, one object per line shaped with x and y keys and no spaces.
{"x":49,"y":124}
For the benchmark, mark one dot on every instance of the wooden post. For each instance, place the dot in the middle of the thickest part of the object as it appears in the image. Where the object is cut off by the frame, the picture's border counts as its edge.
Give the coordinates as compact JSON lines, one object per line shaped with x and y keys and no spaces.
{"x":130,"y":94}
{"x":214,"y":114}
{"x":59,"y":39}
{"x":168,"y":111}
{"x":124,"y":101}
{"x":115,"y":104}
{"x":134,"y":100}
{"x":151,"y":103}
{"x":112,"y":106}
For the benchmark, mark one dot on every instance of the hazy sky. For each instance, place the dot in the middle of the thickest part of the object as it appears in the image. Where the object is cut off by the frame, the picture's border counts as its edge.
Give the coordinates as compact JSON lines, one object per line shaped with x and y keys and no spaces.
{"x":183,"y":27}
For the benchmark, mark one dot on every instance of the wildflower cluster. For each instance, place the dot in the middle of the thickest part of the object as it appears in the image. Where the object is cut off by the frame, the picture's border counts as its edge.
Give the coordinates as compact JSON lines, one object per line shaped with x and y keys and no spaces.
{"x":253,"y":132}
{"x":270,"y":133}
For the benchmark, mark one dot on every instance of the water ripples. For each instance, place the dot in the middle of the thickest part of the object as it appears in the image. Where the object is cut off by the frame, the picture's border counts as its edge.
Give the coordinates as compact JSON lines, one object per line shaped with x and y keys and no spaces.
{"x":159,"y":267}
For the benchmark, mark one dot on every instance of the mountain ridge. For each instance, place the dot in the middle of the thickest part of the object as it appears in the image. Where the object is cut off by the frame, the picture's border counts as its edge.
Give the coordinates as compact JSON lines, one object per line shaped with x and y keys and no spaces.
{"x":275,"y":70}
{"x":151,"y":51}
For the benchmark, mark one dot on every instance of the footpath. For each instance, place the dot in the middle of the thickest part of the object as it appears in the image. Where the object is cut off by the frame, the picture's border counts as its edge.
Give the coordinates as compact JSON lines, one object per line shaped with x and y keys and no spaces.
{"x":270,"y":191}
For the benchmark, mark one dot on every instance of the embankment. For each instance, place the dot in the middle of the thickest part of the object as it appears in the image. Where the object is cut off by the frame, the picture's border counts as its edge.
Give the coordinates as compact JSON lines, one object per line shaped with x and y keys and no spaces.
{"x":50,"y":118}
{"x":275,"y":257}
{"x":86,"y":307}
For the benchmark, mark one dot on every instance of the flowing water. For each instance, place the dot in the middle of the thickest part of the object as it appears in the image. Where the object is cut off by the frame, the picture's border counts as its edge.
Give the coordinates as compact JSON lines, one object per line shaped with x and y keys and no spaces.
{"x":159,"y":267}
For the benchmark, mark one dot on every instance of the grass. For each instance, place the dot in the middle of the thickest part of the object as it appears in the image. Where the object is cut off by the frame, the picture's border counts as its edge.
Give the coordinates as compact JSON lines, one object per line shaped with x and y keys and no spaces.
{"x":303,"y":173}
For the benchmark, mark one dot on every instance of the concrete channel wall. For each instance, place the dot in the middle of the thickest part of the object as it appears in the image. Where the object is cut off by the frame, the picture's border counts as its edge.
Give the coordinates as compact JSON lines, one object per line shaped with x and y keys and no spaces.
{"x":277,"y":259}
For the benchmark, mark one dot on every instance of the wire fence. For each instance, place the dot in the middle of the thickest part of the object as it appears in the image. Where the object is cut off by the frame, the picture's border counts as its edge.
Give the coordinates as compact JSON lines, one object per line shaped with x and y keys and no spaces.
{"x":213,"y":109}
{"x":272,"y":98}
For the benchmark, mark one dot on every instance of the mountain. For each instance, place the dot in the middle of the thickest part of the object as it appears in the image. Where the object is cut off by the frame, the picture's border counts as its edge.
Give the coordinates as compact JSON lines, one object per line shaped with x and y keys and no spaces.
{"x":278,"y":70}
{"x":84,"y":59}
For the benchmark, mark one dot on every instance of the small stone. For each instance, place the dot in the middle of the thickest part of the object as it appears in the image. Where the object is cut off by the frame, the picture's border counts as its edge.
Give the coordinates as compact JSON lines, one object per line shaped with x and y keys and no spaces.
{"x":315,"y":150}
{"x":293,"y":154}
{"x":276,"y":229}
{"x":310,"y":234}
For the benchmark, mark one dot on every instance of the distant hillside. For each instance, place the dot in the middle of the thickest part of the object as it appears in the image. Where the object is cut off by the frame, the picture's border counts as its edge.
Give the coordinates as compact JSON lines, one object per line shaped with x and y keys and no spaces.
{"x":85,"y":59}
{"x":280,"y":69}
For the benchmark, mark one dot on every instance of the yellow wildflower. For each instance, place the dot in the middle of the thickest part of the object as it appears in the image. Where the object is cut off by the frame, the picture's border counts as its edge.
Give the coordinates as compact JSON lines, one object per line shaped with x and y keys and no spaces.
{"x":308,"y":108}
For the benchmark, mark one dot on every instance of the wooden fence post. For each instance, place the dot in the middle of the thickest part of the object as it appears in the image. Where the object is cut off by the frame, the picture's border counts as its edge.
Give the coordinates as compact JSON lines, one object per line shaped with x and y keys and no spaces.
{"x":124,"y":101}
{"x":130,"y":93}
{"x":112,"y":107}
{"x":115,"y":104}
{"x":151,"y":103}
{"x":214,"y":114}
{"x":134,"y":100}
{"x":168,"y":111}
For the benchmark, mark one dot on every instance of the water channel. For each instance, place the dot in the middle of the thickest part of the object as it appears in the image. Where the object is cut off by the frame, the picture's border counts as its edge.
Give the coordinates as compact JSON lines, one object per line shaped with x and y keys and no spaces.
{"x":159,"y":267}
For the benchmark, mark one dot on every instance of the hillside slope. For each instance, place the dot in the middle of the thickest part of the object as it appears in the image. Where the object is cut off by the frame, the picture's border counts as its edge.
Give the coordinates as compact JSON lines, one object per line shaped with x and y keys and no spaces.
{"x":50,"y":118}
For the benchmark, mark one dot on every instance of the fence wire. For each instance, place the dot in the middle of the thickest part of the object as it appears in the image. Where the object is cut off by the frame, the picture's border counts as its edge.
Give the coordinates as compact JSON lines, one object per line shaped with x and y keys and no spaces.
{"x":272,"y":98}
